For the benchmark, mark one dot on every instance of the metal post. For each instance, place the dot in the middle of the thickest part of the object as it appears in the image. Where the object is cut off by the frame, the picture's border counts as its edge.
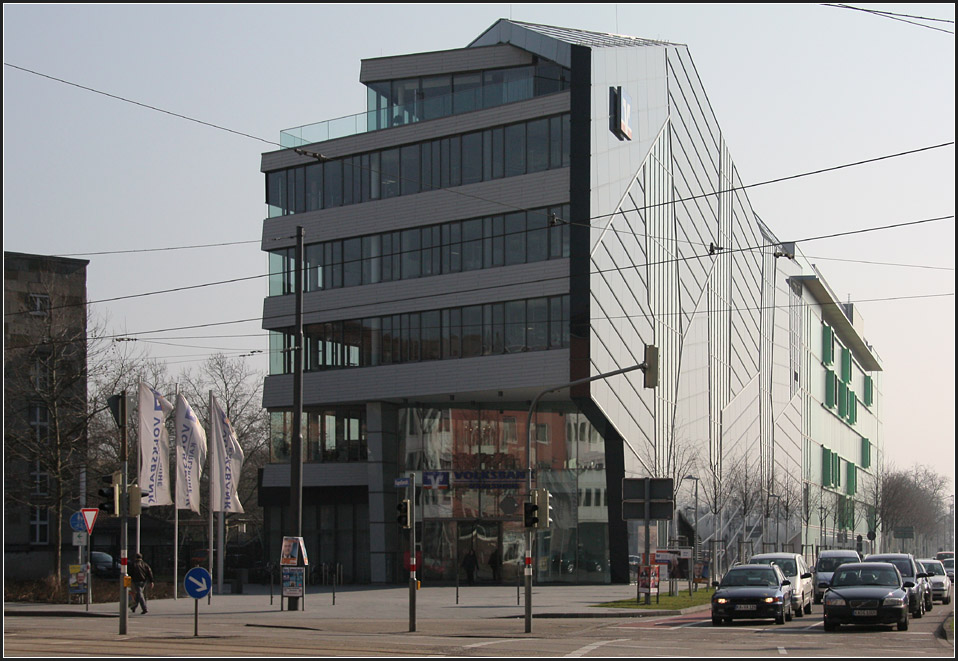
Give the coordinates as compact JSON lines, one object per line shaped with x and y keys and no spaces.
{"x":695,"y":535}
{"x":296,"y":446}
{"x":124,"y":510}
{"x":413,"y":583}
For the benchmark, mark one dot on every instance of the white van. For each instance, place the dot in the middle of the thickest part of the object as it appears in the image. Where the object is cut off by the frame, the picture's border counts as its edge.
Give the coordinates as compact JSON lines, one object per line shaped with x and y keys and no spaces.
{"x":797,"y":572}
{"x":828,"y":561}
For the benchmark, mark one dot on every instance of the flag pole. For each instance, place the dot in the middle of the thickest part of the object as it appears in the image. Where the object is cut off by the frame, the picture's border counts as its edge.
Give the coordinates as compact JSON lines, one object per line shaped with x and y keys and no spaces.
{"x":176,"y":504}
{"x":210,"y":473}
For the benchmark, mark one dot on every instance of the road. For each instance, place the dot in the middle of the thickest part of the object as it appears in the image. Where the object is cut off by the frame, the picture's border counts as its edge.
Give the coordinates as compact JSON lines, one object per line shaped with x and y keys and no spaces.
{"x":469,"y":628}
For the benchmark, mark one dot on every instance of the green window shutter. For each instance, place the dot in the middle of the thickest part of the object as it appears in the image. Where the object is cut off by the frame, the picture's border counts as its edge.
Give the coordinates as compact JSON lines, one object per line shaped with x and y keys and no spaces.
{"x":869,"y":392}
{"x":852,"y":408}
{"x":826,"y":467}
{"x":842,"y":399}
{"x":836,"y":470}
{"x":851,"y":479}
{"x":846,"y":365}
{"x":866,"y":461}
{"x":828,"y":345}
{"x":830,"y":386}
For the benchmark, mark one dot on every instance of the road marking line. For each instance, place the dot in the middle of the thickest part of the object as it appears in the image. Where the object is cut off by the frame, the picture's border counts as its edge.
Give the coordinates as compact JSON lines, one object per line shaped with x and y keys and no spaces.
{"x":488,"y":642}
{"x":588,"y":648}
{"x":781,"y":650}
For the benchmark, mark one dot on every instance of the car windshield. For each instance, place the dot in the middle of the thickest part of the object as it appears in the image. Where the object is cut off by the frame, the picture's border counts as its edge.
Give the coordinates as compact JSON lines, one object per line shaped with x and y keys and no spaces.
{"x":903,"y":566}
{"x":833,"y":563}
{"x":788,"y":566}
{"x":949,"y":564}
{"x":935,"y":568}
{"x":864,"y":576}
{"x":755,"y":577}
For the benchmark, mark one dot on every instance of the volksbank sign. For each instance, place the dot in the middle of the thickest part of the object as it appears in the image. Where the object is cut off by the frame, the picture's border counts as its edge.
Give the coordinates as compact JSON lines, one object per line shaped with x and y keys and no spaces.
{"x":475,"y":479}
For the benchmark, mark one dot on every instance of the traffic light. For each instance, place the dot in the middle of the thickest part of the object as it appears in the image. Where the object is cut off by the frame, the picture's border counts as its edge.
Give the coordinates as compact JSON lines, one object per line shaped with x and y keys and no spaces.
{"x":405,"y":510}
{"x":530,"y":511}
{"x":651,"y":370}
{"x":136,"y":503}
{"x":545,"y":504}
{"x":111,"y":506}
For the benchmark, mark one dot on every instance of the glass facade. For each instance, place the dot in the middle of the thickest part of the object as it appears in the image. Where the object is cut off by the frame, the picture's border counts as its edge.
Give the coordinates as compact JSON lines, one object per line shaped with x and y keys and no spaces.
{"x":480,"y":454}
{"x":535,"y":324}
{"x":494,"y":153}
{"x":520,"y":237}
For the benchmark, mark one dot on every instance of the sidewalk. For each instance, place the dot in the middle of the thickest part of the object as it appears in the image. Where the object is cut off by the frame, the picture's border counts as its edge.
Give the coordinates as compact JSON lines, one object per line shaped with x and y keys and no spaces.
{"x":379,"y":602}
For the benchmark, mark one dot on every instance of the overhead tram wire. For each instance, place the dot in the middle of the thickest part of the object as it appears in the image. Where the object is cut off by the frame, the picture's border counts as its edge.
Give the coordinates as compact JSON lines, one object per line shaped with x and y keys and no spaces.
{"x":455,"y":192}
{"x":538,"y":280}
{"x":898,"y":17}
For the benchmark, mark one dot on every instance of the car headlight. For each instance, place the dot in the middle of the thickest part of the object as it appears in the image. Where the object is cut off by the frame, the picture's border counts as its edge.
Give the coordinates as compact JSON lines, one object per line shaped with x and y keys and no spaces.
{"x":773,"y":600}
{"x":834,"y":600}
{"x":721,"y":600}
{"x":894,"y":601}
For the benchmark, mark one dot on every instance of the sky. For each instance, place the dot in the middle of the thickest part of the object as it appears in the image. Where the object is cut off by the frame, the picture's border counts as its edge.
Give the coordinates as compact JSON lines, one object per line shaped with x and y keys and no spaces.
{"x":198,"y":92}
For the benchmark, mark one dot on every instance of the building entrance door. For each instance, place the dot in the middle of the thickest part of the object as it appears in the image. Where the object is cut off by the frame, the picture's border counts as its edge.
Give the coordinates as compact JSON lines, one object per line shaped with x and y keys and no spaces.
{"x":479,"y":551}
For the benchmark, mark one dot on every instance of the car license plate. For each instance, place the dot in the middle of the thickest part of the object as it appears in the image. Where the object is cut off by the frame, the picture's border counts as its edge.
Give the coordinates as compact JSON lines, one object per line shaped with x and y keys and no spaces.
{"x":865,"y":613}
{"x":744,"y":607}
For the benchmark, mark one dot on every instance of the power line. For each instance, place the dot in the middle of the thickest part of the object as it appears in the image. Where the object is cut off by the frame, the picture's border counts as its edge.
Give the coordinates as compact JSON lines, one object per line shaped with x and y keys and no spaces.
{"x":898,"y":17}
{"x":863,"y":261}
{"x":143,"y":105}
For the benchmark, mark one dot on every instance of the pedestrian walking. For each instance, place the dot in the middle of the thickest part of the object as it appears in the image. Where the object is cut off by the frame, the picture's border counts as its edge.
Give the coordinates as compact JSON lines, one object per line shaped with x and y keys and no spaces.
{"x":470,"y":563}
{"x":141,"y":574}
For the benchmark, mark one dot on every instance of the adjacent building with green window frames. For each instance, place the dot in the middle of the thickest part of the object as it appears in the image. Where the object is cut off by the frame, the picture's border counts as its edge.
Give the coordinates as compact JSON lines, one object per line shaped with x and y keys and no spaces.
{"x":515,"y":215}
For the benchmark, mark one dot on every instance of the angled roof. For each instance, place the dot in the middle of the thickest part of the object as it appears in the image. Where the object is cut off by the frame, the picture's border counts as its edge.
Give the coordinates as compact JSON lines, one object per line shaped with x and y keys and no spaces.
{"x":552,"y":42}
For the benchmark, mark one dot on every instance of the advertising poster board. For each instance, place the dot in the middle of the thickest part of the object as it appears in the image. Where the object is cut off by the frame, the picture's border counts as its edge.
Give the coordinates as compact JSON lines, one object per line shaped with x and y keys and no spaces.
{"x":78,"y":576}
{"x":649,"y":579}
{"x":294,"y":580}
{"x":292,"y":548}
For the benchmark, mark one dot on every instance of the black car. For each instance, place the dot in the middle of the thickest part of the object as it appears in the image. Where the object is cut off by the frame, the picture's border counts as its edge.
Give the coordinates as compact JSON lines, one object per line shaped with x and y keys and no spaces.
{"x":752,"y":592}
{"x":103,"y":565}
{"x":867,"y":593}
{"x":919,"y":593}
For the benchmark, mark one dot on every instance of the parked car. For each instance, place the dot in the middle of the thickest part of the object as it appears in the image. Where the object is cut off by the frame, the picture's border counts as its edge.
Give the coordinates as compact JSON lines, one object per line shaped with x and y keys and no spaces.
{"x":752,"y":592}
{"x":797,"y":572}
{"x":103,"y":565}
{"x":919,"y":593}
{"x":938,"y":579}
{"x":828,"y":561}
{"x":949,"y":565}
{"x":867,"y":593}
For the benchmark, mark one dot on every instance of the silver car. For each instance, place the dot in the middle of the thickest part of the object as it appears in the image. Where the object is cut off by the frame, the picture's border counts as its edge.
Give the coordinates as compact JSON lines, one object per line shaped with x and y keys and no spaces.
{"x":938,"y":578}
{"x":797,"y":572}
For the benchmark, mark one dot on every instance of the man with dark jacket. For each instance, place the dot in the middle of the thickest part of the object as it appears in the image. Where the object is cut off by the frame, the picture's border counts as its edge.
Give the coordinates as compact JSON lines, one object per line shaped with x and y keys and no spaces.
{"x":140,"y":573}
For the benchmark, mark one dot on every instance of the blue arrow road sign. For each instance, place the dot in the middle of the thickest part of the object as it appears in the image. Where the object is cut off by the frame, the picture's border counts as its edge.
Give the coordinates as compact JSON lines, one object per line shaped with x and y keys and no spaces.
{"x":77,"y":523}
{"x":198,"y":582}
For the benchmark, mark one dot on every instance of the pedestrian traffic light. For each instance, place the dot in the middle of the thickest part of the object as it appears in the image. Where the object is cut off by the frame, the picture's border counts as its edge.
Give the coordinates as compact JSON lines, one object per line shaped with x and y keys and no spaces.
{"x":530,"y":511}
{"x":651,"y":369}
{"x":545,"y":505}
{"x":111,"y":506}
{"x":405,"y":509}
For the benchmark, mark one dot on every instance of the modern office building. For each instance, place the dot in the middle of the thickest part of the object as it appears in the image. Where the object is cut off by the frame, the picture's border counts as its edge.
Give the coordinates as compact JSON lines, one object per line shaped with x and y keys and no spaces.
{"x":531,"y":210}
{"x":44,"y":410}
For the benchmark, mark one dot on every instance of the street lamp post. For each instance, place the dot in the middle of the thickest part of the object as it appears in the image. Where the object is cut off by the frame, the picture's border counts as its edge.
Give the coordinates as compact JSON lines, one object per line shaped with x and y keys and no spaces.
{"x":695,"y":532}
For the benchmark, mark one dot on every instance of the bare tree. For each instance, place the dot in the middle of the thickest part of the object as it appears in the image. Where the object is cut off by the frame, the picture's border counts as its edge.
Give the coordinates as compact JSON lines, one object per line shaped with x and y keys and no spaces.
{"x":45,"y":410}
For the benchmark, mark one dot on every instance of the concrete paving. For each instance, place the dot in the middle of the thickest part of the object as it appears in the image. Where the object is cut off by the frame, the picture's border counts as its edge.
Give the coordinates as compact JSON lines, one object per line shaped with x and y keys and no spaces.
{"x":371,"y":602}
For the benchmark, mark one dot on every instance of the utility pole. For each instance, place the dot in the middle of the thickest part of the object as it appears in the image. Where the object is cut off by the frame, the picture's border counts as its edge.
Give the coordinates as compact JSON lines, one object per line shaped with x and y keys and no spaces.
{"x":117,"y":405}
{"x":296,"y":446}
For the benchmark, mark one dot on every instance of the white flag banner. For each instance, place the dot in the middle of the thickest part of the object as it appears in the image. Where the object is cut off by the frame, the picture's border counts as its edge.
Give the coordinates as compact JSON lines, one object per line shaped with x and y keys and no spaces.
{"x":226,"y":462}
{"x":154,"y":448}
{"x":190,"y":456}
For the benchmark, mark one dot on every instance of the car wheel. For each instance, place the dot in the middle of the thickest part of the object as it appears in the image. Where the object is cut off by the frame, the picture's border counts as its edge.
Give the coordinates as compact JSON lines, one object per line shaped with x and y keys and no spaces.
{"x":780,"y":618}
{"x":716,"y":621}
{"x":798,"y":611}
{"x":903,"y":623}
{"x":830,"y":626}
{"x":808,"y":607}
{"x":946,"y":601}
{"x":788,"y":615}
{"x":930,"y":603}
{"x":817,"y":600}
{"x":920,"y":610}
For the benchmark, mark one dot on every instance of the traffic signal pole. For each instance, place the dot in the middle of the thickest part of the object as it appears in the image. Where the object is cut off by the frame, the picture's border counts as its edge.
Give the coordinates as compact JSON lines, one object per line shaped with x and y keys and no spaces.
{"x":650,"y":367}
{"x":124,"y":509}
